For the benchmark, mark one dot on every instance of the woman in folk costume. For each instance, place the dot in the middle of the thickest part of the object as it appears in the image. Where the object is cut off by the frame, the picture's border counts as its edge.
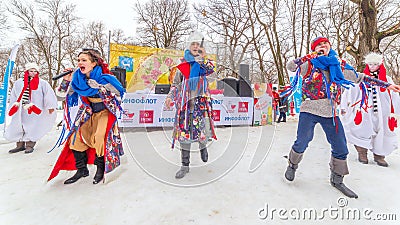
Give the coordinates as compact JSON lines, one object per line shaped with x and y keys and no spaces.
{"x":368,"y":119}
{"x":32,"y":110}
{"x":192,"y":99}
{"x":323,"y":74}
{"x":93,"y":136}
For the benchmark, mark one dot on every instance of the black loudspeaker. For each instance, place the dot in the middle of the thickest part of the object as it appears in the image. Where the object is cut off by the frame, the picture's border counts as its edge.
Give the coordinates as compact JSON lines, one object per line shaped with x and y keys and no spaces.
{"x":162,"y":88}
{"x":244,"y":72}
{"x":230,"y":87}
{"x":244,"y":89}
{"x":120,"y":74}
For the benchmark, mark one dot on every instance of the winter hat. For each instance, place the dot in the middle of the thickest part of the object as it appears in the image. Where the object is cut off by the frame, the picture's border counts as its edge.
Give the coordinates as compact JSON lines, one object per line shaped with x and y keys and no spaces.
{"x":318,"y":40}
{"x":29,"y":66}
{"x":373,"y":58}
{"x":194,"y":37}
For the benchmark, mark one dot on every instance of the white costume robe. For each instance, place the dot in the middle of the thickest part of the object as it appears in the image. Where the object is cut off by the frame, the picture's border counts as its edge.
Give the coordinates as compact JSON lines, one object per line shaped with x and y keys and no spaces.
{"x":32,"y":127}
{"x":373,"y":132}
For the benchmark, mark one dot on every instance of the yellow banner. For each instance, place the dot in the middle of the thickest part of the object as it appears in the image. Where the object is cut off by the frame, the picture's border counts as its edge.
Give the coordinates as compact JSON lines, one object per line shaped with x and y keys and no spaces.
{"x":145,"y":66}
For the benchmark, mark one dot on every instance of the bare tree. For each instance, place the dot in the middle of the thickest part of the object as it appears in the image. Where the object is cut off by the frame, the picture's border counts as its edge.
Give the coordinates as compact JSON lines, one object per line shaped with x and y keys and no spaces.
{"x":338,"y":22}
{"x":3,"y":20}
{"x":260,"y":49}
{"x":377,"y":20}
{"x":228,"y":22}
{"x":267,"y":14}
{"x":118,"y":36}
{"x":97,"y":37}
{"x":48,"y":23}
{"x":163,"y":23}
{"x":391,"y":52}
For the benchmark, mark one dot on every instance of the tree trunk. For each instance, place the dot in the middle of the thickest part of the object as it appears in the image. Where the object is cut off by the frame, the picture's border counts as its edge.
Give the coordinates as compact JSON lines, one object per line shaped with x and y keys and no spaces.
{"x":368,"y":41}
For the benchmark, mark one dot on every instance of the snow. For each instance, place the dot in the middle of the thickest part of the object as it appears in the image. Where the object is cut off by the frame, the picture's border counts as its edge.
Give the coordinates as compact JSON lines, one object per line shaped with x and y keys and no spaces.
{"x":143,"y":189}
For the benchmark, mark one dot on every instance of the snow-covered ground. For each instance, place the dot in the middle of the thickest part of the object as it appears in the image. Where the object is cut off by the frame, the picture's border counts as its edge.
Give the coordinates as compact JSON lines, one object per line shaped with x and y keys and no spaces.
{"x":223,"y":191}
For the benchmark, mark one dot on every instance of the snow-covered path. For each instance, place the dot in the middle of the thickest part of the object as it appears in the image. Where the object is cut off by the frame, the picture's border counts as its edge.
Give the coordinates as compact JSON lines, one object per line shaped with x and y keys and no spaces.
{"x":144,"y":191}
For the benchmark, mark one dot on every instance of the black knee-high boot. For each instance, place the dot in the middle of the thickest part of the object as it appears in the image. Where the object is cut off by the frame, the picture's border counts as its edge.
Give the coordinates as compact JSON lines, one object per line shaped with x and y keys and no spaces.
{"x":81,"y":165}
{"x":99,"y":162}
{"x":203,"y":152}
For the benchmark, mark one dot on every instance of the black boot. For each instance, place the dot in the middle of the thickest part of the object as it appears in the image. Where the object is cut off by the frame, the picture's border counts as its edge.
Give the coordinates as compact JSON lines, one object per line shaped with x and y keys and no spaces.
{"x":80,"y":163}
{"x":338,"y":170}
{"x":20,"y":147}
{"x":99,"y":162}
{"x":29,"y":147}
{"x":294,"y":160}
{"x":203,"y":152}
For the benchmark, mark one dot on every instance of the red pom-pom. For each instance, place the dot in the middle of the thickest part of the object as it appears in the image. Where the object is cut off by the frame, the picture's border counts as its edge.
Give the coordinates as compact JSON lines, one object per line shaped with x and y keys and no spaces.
{"x":358,"y":118}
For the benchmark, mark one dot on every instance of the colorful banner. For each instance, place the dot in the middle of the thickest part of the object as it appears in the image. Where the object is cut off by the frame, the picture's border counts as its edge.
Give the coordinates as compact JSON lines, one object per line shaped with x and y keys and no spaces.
{"x":148,"y":110}
{"x":297,"y":96}
{"x":263,"y":110}
{"x":145,"y":66}
{"x":4,"y":85}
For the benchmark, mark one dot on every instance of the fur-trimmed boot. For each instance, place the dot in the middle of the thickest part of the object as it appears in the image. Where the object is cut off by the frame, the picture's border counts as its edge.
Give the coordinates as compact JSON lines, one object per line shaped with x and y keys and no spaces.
{"x":293,"y":160}
{"x":20,"y":147}
{"x":99,"y":162}
{"x":81,"y":165}
{"x":338,"y":170}
{"x":380,"y":160}
{"x":362,"y":154}
{"x":29,"y":147}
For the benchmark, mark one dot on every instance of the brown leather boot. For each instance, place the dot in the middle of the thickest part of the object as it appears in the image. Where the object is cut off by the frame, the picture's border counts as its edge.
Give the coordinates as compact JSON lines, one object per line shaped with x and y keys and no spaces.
{"x":380,"y":160}
{"x":362,"y":154}
{"x":20,"y":147}
{"x":29,"y":147}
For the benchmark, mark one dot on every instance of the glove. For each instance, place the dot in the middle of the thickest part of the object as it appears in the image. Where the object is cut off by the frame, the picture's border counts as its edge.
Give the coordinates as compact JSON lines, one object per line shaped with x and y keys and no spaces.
{"x":305,"y":58}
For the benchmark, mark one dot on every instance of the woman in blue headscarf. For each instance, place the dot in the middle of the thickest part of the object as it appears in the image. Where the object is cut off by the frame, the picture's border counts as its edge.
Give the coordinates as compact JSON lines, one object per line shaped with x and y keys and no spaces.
{"x":93,"y":135}
{"x":190,"y":93}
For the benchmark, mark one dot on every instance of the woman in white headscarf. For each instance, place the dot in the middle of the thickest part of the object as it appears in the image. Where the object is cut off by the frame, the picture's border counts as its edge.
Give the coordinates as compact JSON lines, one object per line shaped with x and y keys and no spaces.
{"x":192,"y":98}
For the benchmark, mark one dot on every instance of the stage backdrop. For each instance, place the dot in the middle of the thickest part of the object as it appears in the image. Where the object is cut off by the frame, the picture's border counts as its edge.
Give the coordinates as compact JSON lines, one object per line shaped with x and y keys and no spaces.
{"x":145,"y":66}
{"x":148,"y":110}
